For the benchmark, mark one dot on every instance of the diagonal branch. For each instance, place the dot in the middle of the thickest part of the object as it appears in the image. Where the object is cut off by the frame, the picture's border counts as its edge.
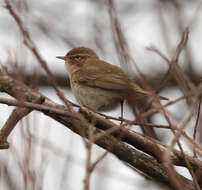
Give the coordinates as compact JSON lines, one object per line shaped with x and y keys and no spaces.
{"x":31,"y":46}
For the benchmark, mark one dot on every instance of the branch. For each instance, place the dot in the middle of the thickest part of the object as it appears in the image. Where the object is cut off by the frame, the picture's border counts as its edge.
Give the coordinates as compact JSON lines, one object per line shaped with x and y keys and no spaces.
{"x":31,"y":46}
{"x":77,"y":123}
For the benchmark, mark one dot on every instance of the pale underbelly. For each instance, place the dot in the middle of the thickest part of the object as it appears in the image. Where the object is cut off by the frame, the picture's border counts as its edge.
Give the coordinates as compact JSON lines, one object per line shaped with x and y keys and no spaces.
{"x":96,"y":98}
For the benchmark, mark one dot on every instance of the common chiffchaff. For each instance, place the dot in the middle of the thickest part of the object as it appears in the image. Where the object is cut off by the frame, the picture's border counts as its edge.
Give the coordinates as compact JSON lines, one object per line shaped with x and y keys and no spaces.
{"x":98,"y":84}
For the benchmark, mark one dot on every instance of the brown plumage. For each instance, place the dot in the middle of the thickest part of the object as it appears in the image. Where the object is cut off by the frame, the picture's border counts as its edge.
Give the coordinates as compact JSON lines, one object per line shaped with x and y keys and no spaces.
{"x":100,"y":85}
{"x":96,"y":83}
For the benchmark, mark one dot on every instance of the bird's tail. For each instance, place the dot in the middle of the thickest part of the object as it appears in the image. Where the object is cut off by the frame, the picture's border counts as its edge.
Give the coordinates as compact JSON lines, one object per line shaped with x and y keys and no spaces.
{"x":138,"y":101}
{"x":140,"y":91}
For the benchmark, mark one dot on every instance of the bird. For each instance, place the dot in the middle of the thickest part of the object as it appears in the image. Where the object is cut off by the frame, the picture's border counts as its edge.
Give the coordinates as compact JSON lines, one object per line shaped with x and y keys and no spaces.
{"x":99,"y":85}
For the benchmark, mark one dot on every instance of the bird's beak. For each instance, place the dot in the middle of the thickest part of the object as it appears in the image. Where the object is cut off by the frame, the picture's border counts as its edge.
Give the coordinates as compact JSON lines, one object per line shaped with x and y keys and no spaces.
{"x":61,"y":57}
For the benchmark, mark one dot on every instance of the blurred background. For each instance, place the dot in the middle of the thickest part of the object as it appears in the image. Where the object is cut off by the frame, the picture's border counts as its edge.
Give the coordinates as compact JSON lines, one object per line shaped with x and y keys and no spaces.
{"x":45,"y":155}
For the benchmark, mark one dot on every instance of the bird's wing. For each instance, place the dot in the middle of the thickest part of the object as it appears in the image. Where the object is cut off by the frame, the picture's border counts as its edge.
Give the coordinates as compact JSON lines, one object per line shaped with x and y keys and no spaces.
{"x":102,"y":75}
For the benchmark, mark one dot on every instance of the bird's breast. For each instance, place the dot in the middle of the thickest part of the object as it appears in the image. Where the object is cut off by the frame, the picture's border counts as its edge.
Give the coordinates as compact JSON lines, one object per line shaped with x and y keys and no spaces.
{"x":95,"y":98}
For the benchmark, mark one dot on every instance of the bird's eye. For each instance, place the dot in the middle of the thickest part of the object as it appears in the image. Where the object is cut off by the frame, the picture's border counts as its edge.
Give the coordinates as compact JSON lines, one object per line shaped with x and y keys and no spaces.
{"x":77,"y":57}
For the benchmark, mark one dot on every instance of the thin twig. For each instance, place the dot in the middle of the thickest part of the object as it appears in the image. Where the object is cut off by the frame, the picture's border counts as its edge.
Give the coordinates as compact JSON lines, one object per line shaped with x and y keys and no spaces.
{"x":98,"y":160}
{"x":196,"y":124}
{"x":157,"y":51}
{"x":181,"y":45}
{"x":35,"y":106}
{"x":197,"y":92}
{"x":31,"y":46}
{"x":176,"y":71}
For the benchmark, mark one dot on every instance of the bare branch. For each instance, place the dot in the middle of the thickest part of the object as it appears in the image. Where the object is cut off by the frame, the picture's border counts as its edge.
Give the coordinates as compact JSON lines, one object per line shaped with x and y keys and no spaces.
{"x":181,"y":45}
{"x":16,"y":115}
{"x":31,"y":46}
{"x":196,"y":124}
{"x":123,"y":151}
